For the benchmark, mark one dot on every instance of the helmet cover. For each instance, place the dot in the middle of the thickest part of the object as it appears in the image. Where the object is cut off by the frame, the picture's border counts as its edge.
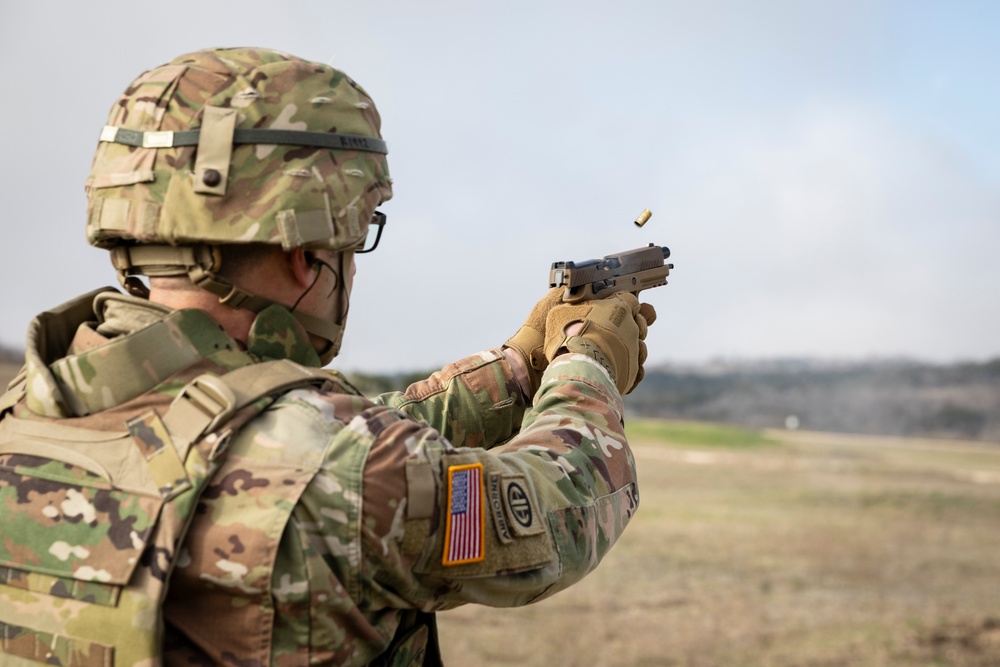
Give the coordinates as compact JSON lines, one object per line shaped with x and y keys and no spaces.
{"x":289,"y":193}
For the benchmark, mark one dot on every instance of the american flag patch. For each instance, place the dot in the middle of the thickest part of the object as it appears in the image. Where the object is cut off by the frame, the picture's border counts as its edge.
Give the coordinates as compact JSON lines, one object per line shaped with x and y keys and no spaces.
{"x":464,"y":539}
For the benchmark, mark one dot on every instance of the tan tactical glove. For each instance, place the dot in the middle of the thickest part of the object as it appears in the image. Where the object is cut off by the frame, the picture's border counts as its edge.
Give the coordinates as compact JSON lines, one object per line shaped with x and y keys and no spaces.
{"x":611,"y":331}
{"x":529,"y":341}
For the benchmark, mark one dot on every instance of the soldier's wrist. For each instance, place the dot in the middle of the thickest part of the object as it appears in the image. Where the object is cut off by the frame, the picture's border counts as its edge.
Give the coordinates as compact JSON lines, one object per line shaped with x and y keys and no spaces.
{"x":581,"y":345}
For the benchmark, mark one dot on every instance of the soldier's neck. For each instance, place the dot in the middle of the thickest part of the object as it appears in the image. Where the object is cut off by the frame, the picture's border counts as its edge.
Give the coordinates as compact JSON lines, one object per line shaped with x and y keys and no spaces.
{"x":174,"y":294}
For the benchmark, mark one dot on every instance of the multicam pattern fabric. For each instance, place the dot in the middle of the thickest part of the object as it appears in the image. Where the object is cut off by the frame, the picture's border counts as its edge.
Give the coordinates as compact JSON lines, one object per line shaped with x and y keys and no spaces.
{"x":325,"y":527}
{"x":289,"y":195}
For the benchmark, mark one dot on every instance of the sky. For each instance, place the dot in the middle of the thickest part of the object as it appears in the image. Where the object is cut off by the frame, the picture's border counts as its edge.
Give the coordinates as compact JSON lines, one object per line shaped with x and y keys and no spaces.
{"x":825,"y":173}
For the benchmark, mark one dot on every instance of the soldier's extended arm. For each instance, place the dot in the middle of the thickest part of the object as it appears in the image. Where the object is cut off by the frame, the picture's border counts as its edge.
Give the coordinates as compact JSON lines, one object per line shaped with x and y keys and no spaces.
{"x":520,"y":521}
{"x":556,"y":498}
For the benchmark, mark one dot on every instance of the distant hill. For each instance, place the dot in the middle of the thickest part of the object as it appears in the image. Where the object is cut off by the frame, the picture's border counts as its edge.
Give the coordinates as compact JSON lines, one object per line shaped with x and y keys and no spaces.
{"x":897,"y":398}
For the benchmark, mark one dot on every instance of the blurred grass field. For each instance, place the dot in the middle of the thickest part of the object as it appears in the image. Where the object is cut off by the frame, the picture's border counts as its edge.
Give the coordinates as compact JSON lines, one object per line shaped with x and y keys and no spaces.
{"x":776,"y":548}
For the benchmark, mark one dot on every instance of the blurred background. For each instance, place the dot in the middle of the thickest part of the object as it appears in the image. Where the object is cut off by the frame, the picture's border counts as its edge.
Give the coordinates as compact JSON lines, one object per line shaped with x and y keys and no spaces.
{"x":826,"y":175}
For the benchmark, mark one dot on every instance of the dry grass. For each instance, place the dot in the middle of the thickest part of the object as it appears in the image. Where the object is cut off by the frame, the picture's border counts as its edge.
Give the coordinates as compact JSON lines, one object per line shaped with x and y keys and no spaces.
{"x":777,"y":549}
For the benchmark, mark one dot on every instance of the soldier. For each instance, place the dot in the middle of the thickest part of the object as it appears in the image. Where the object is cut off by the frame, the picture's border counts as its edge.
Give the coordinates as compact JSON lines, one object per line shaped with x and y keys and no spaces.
{"x":183,"y":433}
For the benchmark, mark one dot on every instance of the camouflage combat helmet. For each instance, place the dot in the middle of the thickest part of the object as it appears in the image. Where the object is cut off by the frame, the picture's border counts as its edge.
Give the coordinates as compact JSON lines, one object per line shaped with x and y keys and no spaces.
{"x":235,"y":146}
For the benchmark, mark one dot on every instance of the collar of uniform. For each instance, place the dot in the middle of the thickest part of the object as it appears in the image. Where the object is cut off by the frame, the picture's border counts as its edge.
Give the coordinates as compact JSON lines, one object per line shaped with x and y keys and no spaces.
{"x":119,"y":313}
{"x":276,"y":334}
{"x":130,"y":364}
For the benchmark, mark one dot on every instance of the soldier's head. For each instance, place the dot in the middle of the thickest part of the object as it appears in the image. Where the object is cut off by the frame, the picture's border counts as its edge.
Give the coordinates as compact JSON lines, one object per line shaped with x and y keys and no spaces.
{"x":220,"y":157}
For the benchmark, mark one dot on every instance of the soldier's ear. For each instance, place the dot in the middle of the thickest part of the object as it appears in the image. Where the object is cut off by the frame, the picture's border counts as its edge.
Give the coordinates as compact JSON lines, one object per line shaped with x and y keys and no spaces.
{"x":300,"y":265}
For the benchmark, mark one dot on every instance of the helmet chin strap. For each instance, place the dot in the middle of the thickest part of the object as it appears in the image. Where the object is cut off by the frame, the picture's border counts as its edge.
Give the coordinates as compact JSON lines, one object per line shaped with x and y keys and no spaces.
{"x":330,"y":332}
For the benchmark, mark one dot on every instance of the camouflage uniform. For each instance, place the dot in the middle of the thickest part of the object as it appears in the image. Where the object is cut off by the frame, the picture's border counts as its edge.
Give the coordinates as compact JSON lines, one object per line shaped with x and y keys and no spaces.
{"x":331,"y":523}
{"x":331,"y":516}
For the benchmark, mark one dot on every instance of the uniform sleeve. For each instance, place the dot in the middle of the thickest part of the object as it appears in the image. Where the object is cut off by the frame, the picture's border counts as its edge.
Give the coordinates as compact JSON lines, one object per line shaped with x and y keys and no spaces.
{"x":473,"y":402}
{"x":446,"y":525}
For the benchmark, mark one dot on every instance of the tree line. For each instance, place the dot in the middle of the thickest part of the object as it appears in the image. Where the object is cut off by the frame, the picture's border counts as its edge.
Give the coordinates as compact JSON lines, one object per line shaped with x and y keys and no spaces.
{"x":893,"y":398}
